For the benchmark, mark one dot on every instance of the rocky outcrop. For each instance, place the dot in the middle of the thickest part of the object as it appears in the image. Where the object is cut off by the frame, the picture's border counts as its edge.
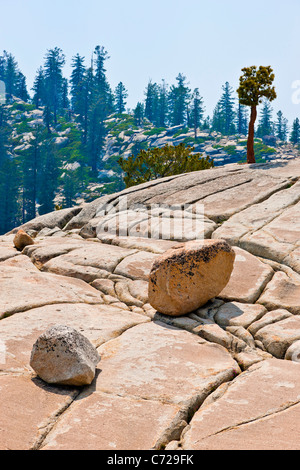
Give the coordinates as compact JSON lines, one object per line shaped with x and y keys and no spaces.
{"x":222,"y":376}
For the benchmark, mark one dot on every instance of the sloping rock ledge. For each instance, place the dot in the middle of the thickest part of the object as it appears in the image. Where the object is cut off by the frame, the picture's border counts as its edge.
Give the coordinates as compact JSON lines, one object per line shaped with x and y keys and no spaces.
{"x":223,"y":377}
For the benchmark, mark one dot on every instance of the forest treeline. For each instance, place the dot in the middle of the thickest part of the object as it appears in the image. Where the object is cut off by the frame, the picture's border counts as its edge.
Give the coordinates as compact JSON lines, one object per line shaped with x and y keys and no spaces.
{"x":34,"y":169}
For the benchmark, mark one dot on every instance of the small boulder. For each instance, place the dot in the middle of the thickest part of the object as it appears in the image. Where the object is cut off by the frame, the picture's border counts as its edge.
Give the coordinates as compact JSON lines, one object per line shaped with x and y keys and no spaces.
{"x":64,"y":356}
{"x":22,"y":239}
{"x":187,"y":277}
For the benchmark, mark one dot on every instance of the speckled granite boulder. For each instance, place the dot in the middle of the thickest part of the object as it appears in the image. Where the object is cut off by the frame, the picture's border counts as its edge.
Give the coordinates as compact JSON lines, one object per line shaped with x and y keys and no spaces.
{"x":22,"y":239}
{"x":185,"y":278}
{"x":64,"y":356}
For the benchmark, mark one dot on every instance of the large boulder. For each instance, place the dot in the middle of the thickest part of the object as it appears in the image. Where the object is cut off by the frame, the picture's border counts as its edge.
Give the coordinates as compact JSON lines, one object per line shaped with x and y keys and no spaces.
{"x":187,"y":277}
{"x":64,"y":356}
{"x":22,"y":239}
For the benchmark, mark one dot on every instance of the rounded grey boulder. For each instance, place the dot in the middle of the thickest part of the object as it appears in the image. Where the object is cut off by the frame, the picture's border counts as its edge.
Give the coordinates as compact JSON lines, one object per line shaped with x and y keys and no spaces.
{"x":64,"y":356}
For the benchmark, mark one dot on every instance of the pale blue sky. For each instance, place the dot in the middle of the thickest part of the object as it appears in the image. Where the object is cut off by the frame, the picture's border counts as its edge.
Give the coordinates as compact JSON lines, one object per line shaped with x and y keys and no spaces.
{"x":209,"y":41}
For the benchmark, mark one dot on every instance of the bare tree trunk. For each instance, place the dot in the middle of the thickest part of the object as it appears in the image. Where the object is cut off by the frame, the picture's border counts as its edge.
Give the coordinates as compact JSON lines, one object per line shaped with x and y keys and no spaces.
{"x":250,"y":145}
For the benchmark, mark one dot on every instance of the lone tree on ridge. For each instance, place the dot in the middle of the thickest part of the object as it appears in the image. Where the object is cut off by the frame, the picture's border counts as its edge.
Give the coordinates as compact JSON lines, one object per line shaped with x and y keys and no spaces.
{"x":255,"y":84}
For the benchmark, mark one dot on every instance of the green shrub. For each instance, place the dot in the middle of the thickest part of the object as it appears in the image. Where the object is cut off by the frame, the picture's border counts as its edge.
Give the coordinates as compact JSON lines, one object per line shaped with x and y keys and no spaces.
{"x":185,"y":130}
{"x":261,"y":150}
{"x":160,"y":162}
{"x":230,"y":149}
{"x":155,"y":131}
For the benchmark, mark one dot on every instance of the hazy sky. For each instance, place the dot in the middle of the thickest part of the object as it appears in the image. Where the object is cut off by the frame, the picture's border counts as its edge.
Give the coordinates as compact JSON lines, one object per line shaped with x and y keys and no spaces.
{"x":209,"y":41}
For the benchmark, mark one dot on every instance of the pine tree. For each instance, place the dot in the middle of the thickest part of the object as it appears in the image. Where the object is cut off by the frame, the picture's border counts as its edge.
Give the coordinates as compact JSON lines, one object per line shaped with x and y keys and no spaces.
{"x":39,"y":89}
{"x":227,"y":109}
{"x":49,"y":173}
{"x":138,"y":114}
{"x":179,"y":97}
{"x":102,"y":88}
{"x":77,"y":82}
{"x":15,"y":81}
{"x":241,"y":120}
{"x":48,"y":117}
{"x":285,"y":129}
{"x":281,"y":127}
{"x":295,"y":134}
{"x":9,"y":178}
{"x":151,"y":102}
{"x":265,"y":125}
{"x":10,"y":74}
{"x":206,"y":123}
{"x":21,"y":88}
{"x":120,"y":96}
{"x":54,"y":83}
{"x":9,"y":192}
{"x":99,"y":105}
{"x":218,"y":123}
{"x":65,"y":102}
{"x":96,"y":134}
{"x":162,"y":104}
{"x":255,"y":84}
{"x":87,"y":99}
{"x":2,"y":68}
{"x":31,"y":158}
{"x":197,"y":110}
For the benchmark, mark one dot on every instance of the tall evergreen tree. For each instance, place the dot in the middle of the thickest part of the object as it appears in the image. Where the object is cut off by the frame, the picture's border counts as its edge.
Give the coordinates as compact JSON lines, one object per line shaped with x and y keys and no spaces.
{"x":227,"y":109}
{"x":15,"y":81}
{"x":39,"y":88}
{"x":179,"y":97}
{"x":9,"y":178}
{"x":65,"y":102}
{"x":21,"y":88}
{"x":54,"y":82}
{"x":285,"y":129}
{"x":120,"y":97}
{"x":241,"y":120}
{"x":151,"y":102}
{"x":265,"y":125}
{"x":102,"y":87}
{"x":197,"y":110}
{"x":162,"y":104}
{"x":99,"y":101}
{"x":87,"y":100}
{"x":138,"y":114}
{"x":31,"y":161}
{"x":11,"y":74}
{"x":49,"y":172}
{"x":218,"y":123}
{"x":77,"y":82}
{"x":206,"y":123}
{"x":295,"y":134}
{"x":2,"y":68}
{"x":281,"y":127}
{"x":96,"y":134}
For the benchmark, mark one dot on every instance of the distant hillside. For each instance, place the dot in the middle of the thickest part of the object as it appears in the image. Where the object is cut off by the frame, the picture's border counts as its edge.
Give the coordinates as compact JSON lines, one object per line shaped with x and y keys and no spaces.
{"x":60,"y":141}
{"x":48,"y":168}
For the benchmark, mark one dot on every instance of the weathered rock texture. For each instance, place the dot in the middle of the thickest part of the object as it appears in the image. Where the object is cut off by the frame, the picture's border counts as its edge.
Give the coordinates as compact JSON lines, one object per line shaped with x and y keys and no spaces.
{"x":187,"y":277}
{"x":22,"y":239}
{"x":224,"y":376}
{"x":64,"y":356}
